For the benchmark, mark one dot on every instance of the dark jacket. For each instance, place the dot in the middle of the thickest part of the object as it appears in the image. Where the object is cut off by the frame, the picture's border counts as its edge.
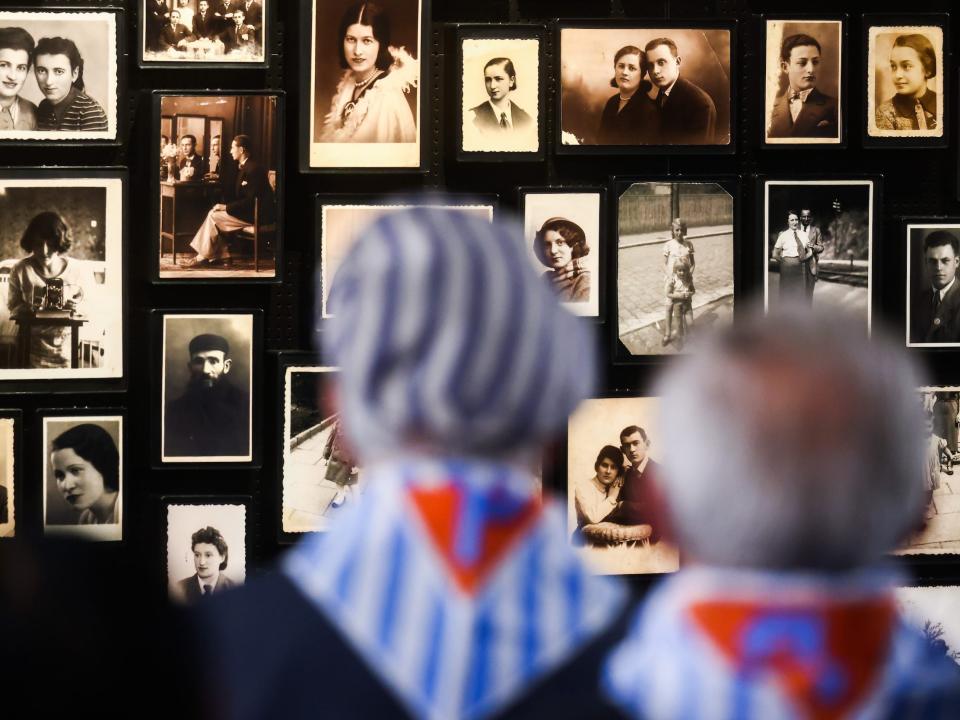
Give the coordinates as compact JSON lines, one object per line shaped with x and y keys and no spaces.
{"x":252,"y":16}
{"x":154,"y":19}
{"x":688,"y":116}
{"x":486,"y":120}
{"x":170,"y":35}
{"x":199,"y":165}
{"x":639,"y":503}
{"x":636,"y":124}
{"x":251,"y":182}
{"x":205,"y":27}
{"x":233,"y":37}
{"x":190,"y":587}
{"x":208,"y":423}
{"x":942,"y":327}
{"x":817,"y":117}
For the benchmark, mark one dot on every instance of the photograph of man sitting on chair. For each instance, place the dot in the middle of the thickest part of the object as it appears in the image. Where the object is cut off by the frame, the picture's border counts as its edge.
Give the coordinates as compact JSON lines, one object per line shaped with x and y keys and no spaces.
{"x":218,"y":208}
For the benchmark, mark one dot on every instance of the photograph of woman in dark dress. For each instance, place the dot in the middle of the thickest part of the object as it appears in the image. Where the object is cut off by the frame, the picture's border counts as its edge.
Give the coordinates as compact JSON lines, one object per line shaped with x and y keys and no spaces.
{"x":629,"y":117}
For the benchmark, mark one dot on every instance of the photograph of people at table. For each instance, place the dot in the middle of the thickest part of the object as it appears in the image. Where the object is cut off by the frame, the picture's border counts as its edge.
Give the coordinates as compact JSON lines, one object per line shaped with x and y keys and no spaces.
{"x":206,"y":31}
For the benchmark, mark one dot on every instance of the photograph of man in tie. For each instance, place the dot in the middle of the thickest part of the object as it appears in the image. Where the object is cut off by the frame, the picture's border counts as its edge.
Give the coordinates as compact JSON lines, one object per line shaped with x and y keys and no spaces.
{"x":688,"y":115}
{"x":500,"y":113}
{"x":815,"y":244}
{"x":934,"y":304}
{"x":801,"y":111}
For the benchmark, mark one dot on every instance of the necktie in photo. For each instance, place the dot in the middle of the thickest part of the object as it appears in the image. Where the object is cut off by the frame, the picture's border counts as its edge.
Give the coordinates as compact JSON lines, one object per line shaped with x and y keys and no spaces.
{"x":207,"y":589}
{"x":661,"y":98}
{"x":921,"y":116}
{"x":503,"y":120}
{"x":796,"y":237}
{"x":936,"y":301}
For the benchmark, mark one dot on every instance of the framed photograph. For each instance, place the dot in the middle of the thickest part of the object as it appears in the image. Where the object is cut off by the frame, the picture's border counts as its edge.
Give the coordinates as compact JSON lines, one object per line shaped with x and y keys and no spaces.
{"x":207,"y":543}
{"x":818,"y":239}
{"x":565,"y":232}
{"x":612,"y":460}
{"x":218,"y":33}
{"x":906,"y":99}
{"x":805,"y":93}
{"x":83,"y":473}
{"x":207,"y":391}
{"x":676,"y":267}
{"x":940,"y":534}
{"x":501,"y":92}
{"x":933,"y":296}
{"x":364,"y":92}
{"x":62,"y":311}
{"x":662,"y":87}
{"x":61,"y":75}
{"x":11,"y":441}
{"x":218,"y":201}
{"x":341,"y":219}
{"x":317,"y":470}
{"x":934,"y":611}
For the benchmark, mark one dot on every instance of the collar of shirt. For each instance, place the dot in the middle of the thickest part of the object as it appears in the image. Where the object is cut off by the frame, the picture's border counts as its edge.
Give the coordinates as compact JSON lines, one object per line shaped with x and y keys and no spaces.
{"x":60,"y":109}
{"x":202,"y":584}
{"x":243,"y":162}
{"x":945,"y":290}
{"x":643,"y":464}
{"x":190,"y":158}
{"x":497,"y":112}
{"x":667,"y":90}
{"x":803,"y":95}
{"x":13,"y":110}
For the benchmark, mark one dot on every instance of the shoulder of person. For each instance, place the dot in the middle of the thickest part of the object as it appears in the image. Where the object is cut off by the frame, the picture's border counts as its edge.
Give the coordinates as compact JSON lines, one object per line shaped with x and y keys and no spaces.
{"x":821,"y":98}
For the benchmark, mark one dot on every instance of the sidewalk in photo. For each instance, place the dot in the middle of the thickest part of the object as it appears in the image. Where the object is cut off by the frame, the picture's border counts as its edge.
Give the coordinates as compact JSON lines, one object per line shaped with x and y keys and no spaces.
{"x":661,"y":236}
{"x":647,"y":339}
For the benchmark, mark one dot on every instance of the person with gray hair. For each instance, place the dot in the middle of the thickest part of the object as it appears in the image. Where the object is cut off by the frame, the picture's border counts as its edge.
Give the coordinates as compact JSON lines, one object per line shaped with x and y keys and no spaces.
{"x":448,"y":589}
{"x":805,"y":474}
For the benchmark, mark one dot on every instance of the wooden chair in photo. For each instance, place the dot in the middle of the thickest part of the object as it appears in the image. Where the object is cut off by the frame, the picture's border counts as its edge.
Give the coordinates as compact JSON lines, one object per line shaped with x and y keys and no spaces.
{"x":260,"y":230}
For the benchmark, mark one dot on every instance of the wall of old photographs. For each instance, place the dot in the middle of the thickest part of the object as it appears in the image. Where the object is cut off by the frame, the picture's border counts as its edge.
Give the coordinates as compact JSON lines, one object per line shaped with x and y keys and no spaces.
{"x":732,"y":166}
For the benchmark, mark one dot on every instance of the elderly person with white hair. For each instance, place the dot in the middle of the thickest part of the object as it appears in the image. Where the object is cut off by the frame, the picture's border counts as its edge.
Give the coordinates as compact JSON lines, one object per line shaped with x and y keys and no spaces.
{"x":804,"y":475}
{"x":448,"y":589}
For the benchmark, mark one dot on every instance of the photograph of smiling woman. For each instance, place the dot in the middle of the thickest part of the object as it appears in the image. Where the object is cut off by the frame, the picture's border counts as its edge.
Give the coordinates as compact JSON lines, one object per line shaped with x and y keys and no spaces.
{"x":58,"y":75}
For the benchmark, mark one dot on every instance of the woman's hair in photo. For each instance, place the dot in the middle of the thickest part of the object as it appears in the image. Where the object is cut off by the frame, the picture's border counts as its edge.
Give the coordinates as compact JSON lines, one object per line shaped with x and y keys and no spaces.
{"x":375,"y":17}
{"x":507,"y":68}
{"x":49,"y":227}
{"x":629,"y":50}
{"x":569,"y":231}
{"x":924,"y":49}
{"x":16,"y":38}
{"x":93,"y":444}
{"x":211,"y":536}
{"x":614,"y":455}
{"x":62,"y":46}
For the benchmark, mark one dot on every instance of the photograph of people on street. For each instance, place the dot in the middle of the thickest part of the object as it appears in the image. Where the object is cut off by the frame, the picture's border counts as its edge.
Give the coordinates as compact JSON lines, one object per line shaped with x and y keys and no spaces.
{"x":675,"y":269}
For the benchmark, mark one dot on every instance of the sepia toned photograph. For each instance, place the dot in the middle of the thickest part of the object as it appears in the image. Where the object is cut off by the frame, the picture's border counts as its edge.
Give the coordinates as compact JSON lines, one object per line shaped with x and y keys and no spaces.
{"x":207,"y":388}
{"x":61,"y":275}
{"x":203,"y":31}
{"x":612,"y":466}
{"x":905,"y":86}
{"x":940,"y":534}
{"x":219,"y":195}
{"x":803,"y":82}
{"x":365,"y":83}
{"x":8,"y":471}
{"x":628,"y":86}
{"x":320,"y":473}
{"x":562,"y":230}
{"x":675,"y":264}
{"x":83,"y":476}
{"x":933,"y":296}
{"x":500,"y":93}
{"x":340,"y":226}
{"x":818,"y":244}
{"x":206,"y":549}
{"x":935,"y":612}
{"x":59,"y":75}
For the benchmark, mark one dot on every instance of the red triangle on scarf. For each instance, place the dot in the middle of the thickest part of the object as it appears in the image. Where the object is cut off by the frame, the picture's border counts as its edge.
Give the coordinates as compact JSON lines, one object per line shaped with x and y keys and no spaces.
{"x":824,"y":657}
{"x":440,"y":509}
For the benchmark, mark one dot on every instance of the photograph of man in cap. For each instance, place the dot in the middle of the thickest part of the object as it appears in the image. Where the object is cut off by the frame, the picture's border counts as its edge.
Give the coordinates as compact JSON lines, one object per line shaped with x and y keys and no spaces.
{"x":211,"y":419}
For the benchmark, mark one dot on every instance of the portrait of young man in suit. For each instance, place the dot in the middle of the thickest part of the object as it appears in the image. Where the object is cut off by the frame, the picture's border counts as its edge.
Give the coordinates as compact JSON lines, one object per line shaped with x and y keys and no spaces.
{"x":935,"y":309}
{"x":802,"y":110}
{"x":205,"y":25}
{"x":191,"y":167}
{"x":687,"y":114}
{"x":500,"y":113}
{"x":210,"y":556}
{"x":174,"y":34}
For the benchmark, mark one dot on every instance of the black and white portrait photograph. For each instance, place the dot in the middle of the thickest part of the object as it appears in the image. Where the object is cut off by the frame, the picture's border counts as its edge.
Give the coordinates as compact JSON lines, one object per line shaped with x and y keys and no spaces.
{"x":83,"y":476}
{"x":206,"y":549}
{"x":219,"y":168}
{"x":933,"y":296}
{"x":905,"y":84}
{"x":207,"y":388}
{"x":940,"y":533}
{"x":803,"y":86}
{"x":818,"y":244}
{"x":320,"y":472}
{"x":340,"y":226}
{"x":61,"y":276}
{"x":612,"y":465}
{"x":562,"y":231}
{"x":58,"y":75}
{"x":7,"y":477}
{"x":203,"y":31}
{"x":935,"y":611}
{"x":365,"y":84}
{"x":501,"y":94}
{"x":675,"y":263}
{"x":632,"y":86}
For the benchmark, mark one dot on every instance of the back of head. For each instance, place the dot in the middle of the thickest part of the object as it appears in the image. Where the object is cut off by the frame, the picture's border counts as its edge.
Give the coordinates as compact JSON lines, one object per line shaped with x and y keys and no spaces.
{"x":448,"y":342}
{"x":791,"y":441}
